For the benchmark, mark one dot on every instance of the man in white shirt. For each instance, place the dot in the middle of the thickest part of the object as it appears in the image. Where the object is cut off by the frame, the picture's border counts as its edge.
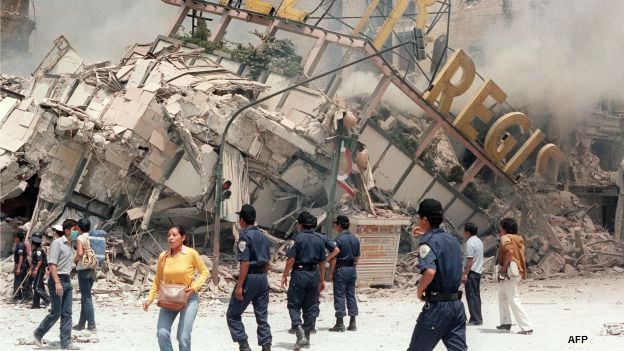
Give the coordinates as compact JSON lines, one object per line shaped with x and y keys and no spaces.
{"x":473,"y":267}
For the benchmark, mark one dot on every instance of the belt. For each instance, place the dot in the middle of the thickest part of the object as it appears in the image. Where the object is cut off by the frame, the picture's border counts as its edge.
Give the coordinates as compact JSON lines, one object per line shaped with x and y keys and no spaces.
{"x":66,"y":276}
{"x":305,"y":267}
{"x":255,"y":270}
{"x":437,"y":296}
{"x":344,"y":264}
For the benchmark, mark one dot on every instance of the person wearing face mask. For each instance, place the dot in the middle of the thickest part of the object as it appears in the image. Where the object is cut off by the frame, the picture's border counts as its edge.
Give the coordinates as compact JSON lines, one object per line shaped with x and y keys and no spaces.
{"x":60,"y":265}
{"x":178,"y":266}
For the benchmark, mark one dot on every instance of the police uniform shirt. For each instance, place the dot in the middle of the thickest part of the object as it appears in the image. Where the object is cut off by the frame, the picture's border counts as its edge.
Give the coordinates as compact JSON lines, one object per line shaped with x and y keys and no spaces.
{"x":20,"y":250}
{"x":349,"y":246}
{"x":254,"y":247}
{"x":308,"y":247}
{"x":439,"y":250}
{"x":38,"y":255}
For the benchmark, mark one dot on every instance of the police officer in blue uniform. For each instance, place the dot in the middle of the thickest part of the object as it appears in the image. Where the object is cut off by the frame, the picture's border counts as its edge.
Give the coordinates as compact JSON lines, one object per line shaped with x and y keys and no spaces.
{"x":306,"y":259}
{"x":253,"y":252}
{"x":440,"y":262}
{"x":39,"y":264}
{"x":20,"y":259}
{"x":343,"y":274}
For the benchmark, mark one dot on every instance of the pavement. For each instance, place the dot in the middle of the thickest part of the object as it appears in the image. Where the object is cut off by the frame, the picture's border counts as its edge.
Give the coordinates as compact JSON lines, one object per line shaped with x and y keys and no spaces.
{"x":561,"y":311}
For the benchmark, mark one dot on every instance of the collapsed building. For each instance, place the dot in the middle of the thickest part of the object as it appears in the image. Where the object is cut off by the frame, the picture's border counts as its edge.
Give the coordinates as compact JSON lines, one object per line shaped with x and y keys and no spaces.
{"x":133,"y":145}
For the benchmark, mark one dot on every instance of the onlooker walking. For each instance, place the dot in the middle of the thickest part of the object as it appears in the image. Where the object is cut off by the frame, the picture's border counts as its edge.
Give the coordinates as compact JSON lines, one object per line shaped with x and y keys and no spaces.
{"x":254,"y":253}
{"x":443,"y":316}
{"x":60,"y":265}
{"x":39,"y":264}
{"x":512,"y":270}
{"x":20,"y":271}
{"x":342,"y":273}
{"x":86,"y":278}
{"x":473,"y":267}
{"x":178,"y":266}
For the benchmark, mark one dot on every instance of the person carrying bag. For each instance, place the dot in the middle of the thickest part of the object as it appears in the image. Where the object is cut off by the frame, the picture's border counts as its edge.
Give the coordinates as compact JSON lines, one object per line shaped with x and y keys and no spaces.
{"x":175,"y":287}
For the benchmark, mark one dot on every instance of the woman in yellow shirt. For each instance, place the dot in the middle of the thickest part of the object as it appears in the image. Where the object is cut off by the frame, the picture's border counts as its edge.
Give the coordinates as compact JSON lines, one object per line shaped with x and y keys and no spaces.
{"x":178,"y":266}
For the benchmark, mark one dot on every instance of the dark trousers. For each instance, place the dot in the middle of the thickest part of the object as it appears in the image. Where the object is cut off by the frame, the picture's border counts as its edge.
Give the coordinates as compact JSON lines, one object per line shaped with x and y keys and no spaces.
{"x":444,"y":321}
{"x":303,"y":292}
{"x":86,"y":279}
{"x":19,"y":289}
{"x":344,"y":289}
{"x":256,"y":292}
{"x":473,"y":297}
{"x":39,"y":292}
{"x":60,"y":307}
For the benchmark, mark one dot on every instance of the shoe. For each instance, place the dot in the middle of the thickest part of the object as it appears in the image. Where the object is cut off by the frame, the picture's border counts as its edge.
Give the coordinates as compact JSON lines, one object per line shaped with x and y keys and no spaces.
{"x":504,"y":327}
{"x":37,"y":340}
{"x":92,"y":328}
{"x":352,"y":325}
{"x":35,"y":307}
{"x":78,"y":327}
{"x":526,"y":332}
{"x":301,"y":338}
{"x":307,"y":343}
{"x":339,"y":327}
{"x":476,"y":323}
{"x":292,"y":331}
{"x":266,"y":347}
{"x":243,"y":345}
{"x":71,"y":346}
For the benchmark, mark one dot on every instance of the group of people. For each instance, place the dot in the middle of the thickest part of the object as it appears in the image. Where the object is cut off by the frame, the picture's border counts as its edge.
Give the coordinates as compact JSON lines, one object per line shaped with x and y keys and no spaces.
{"x":440,"y":262}
{"x":66,"y":251}
{"x":443,"y":317}
{"x":307,"y":255}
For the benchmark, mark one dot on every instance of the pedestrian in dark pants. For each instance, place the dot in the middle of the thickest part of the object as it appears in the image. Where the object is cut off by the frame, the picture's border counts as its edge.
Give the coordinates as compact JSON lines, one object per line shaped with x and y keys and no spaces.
{"x":39,"y":263}
{"x":60,"y":264}
{"x":343,"y":274}
{"x":86,"y":278}
{"x":254,"y":252}
{"x":21,"y":267}
{"x":443,"y":316}
{"x":473,"y":267}
{"x":306,"y":259}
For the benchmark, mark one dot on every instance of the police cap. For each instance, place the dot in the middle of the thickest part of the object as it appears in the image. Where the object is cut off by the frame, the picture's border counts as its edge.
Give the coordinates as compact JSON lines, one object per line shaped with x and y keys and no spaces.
{"x":36,"y":240}
{"x":342,"y":221}
{"x":247,"y":213}
{"x":306,"y":219}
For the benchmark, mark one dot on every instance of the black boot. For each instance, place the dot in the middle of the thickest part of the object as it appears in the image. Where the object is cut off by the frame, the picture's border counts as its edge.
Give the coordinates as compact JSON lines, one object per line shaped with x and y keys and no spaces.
{"x":266,"y":347}
{"x":352,"y":325}
{"x":243,"y":345}
{"x":307,"y":335}
{"x":339,"y":327}
{"x":301,"y":338}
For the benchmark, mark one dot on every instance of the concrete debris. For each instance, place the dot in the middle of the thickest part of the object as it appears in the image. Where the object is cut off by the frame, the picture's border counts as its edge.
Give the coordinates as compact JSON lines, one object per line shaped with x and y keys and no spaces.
{"x":613,"y":329}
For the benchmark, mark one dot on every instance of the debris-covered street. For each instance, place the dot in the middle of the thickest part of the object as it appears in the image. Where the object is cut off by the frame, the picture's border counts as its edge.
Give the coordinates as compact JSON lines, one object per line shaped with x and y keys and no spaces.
{"x":561,"y":308}
{"x":457,"y":153}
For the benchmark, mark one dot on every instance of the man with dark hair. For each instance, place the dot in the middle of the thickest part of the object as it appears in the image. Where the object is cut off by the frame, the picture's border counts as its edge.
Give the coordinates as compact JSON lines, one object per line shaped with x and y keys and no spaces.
{"x":254,"y":252}
{"x":86,"y":278}
{"x":443,"y":316}
{"x":512,"y":265}
{"x":306,"y":259}
{"x":473,"y":267}
{"x":60,"y":264}
{"x":20,"y":271}
{"x":342,"y":273}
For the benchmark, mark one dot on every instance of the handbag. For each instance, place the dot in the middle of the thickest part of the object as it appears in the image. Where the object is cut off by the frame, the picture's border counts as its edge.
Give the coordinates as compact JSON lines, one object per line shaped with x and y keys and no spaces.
{"x":89,"y":260}
{"x":171,"y":296}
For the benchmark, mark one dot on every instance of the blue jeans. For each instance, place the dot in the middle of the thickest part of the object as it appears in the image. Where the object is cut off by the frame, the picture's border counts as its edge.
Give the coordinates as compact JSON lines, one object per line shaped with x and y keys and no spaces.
{"x":86,"y":279}
{"x":185,"y":325}
{"x":60,"y":307}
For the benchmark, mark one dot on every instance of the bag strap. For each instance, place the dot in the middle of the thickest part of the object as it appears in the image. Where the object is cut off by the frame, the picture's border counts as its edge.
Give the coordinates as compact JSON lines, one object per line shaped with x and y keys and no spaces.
{"x":162,"y":273}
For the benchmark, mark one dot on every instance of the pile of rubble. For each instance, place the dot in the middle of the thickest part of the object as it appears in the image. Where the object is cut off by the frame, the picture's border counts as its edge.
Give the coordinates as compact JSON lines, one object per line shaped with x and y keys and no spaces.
{"x":586,"y":171}
{"x":559,"y":235}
